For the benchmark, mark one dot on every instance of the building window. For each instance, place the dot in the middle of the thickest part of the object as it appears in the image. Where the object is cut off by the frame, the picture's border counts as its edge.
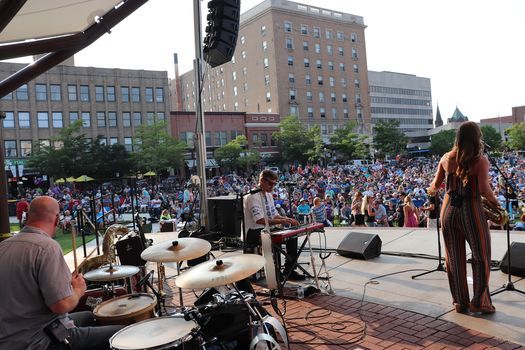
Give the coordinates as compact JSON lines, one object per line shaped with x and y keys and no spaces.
{"x":354,"y":53}
{"x":353,"y":37}
{"x":290,"y":60}
{"x":289,"y":43}
{"x":101,"y":119}
{"x":292,"y":95}
{"x":341,"y":51}
{"x":344,"y":97}
{"x":265,"y":62}
{"x":266,"y":79}
{"x":41,"y":92}
{"x":244,"y":71}
{"x":265,"y":45}
{"x":330,"y":65}
{"x":73,"y":117}
{"x":137,"y":119}
{"x":113,"y":141}
{"x":324,"y":129}
{"x":72,"y":93}
{"x":110,"y":94}
{"x":345,"y":113}
{"x":234,"y":76}
{"x":8,"y":97}
{"x":307,"y":79}
{"x":243,"y":40}
{"x":333,"y":97}
{"x":310,"y":112}
{"x":135,"y":94}
{"x":322,"y":112}
{"x":102,"y":141}
{"x":243,"y":55}
{"x":84,"y":93}
{"x":264,"y":140}
{"x":124,"y":94}
{"x":329,"y":50}
{"x":263,"y":30}
{"x":334,"y":113}
{"x":128,"y":144}
{"x":126,"y":119}
{"x":99,"y":93}
{"x":56,"y":93}
{"x":319,"y":64}
{"x":329,"y":34}
{"x":26,"y":147}
{"x":22,"y":93}
{"x":221,"y":137}
{"x":308,"y":95}
{"x":342,"y":67}
{"x":43,"y":120}
{"x":112,"y":119}
{"x":305,"y":45}
{"x":86,"y":119}
{"x":9,"y":120}
{"x":268,"y":97}
{"x":58,"y":122}
{"x":317,"y":48}
{"x":343,"y":82}
{"x":356,"y":68}
{"x":150,"y":118}
{"x":291,"y":78}
{"x":358,"y":98}
{"x":356,"y":83}
{"x":159,"y":94}
{"x":321,"y":96}
{"x":293,"y":110}
{"x":317,"y":32}
{"x":160,"y":116}
{"x":320,"y":80}
{"x":10,"y":148}
{"x":24,"y":120}
{"x":306,"y":63}
{"x":304,"y":29}
{"x":340,"y":35}
{"x":288,"y":27}
{"x":149,"y":94}
{"x":332,"y":81}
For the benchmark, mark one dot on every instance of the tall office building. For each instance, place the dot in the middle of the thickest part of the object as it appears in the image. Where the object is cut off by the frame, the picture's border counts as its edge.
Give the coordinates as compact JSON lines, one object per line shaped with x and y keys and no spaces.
{"x":291,"y":59}
{"x":110,"y":102}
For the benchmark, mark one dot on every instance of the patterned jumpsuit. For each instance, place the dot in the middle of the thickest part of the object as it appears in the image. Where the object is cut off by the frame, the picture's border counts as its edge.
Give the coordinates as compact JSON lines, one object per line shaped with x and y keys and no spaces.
{"x":463,"y":219}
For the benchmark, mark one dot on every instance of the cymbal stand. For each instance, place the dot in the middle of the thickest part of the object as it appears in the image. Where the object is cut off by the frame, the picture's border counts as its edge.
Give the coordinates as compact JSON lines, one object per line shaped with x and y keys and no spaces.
{"x":440,"y":266}
{"x":158,"y":296}
{"x":180,"y":289}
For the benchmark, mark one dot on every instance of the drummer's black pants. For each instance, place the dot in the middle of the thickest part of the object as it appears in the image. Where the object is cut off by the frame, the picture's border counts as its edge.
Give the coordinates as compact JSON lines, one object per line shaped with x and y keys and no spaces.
{"x":87,"y":335}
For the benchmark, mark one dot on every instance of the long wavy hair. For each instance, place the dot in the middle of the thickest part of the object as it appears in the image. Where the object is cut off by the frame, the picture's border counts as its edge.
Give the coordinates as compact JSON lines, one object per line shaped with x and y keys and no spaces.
{"x":468,"y":147}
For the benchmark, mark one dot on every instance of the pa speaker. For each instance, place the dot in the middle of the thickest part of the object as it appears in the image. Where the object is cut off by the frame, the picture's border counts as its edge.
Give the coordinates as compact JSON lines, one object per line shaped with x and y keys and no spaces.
{"x":517,"y":260}
{"x":224,"y":215}
{"x":129,"y":251}
{"x":221,"y":31}
{"x":362,"y":246}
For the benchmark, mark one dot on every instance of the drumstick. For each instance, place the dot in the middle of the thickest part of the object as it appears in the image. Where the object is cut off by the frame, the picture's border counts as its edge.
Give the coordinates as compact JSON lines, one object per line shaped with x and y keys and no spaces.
{"x":74,"y":244}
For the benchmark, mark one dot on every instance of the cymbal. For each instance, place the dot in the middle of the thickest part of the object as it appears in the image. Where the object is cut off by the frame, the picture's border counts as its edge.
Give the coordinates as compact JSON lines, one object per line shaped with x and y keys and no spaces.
{"x":221,"y":271}
{"x":109,"y":273}
{"x":177,"y":250}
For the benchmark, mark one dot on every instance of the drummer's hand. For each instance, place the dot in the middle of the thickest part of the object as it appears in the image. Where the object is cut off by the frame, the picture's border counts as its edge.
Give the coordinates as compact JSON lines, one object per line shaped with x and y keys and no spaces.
{"x":78,"y":282}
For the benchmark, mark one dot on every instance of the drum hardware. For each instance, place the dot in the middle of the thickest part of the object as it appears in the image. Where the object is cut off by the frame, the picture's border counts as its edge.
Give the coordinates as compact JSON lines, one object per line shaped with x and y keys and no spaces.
{"x":145,"y":281}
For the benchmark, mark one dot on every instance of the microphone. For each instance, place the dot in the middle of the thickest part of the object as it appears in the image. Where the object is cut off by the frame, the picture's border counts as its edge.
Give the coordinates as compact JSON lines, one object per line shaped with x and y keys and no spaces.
{"x":144,"y":279}
{"x":255,"y":190}
{"x":485,"y":145}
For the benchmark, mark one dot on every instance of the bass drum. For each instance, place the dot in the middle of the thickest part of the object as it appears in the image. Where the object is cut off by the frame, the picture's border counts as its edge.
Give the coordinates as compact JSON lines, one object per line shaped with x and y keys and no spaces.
{"x":169,"y":332}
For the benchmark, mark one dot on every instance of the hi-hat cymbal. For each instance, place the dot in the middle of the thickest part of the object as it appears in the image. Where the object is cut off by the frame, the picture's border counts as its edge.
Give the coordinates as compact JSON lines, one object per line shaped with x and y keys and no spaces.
{"x":110,"y":273}
{"x":221,"y":271}
{"x":177,"y":250}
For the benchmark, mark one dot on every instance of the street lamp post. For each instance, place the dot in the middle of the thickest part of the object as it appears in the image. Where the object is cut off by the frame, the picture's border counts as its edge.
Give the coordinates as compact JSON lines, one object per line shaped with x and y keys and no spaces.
{"x":5,"y":230}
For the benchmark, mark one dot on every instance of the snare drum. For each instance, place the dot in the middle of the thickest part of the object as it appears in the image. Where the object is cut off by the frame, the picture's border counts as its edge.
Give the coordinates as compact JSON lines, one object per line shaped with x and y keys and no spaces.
{"x":126,"y":309}
{"x":169,"y":332}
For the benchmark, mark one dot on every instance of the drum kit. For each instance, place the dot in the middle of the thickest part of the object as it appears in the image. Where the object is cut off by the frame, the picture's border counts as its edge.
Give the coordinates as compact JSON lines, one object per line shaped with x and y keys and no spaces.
{"x":230,"y":319}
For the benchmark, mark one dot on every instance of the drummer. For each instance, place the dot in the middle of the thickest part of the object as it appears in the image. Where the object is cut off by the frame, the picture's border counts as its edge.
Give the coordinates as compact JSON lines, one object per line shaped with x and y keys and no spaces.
{"x":254,"y":206}
{"x":39,"y":290}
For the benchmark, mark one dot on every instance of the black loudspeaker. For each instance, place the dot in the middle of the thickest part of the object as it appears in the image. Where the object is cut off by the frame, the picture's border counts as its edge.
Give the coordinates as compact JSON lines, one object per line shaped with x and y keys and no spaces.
{"x":224,"y":215}
{"x":129,"y":251}
{"x":221,"y":31}
{"x":362,"y":246}
{"x":517,"y":260}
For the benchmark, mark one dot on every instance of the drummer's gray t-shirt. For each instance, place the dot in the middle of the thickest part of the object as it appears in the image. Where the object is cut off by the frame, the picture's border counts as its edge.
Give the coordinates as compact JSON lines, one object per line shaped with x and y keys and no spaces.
{"x":34,"y":275}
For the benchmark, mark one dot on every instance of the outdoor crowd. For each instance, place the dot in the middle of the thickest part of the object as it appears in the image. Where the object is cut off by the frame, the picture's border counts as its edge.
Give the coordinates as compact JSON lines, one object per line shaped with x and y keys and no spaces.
{"x":380,"y":194}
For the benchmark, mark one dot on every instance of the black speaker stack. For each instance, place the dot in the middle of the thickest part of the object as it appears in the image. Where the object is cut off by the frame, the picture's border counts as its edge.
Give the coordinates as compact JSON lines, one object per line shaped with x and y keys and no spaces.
{"x":221,"y":31}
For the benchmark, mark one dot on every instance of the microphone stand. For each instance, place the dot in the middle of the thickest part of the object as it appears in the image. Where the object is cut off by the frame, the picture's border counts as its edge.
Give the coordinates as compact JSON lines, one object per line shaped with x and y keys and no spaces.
{"x":440,"y":266}
{"x":509,"y":286}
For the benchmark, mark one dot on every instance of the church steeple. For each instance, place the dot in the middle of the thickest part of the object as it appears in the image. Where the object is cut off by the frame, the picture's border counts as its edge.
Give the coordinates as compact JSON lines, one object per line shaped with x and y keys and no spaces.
{"x":439,"y":121}
{"x":457,"y":117}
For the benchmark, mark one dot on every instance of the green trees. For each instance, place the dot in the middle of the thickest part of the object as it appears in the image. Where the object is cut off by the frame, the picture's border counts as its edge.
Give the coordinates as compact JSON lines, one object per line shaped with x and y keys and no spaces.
{"x":442,"y":142}
{"x":234,"y":155}
{"x":388,"y":139}
{"x":297,"y":143}
{"x":347,"y":144}
{"x":491,"y":137}
{"x":516,"y":137}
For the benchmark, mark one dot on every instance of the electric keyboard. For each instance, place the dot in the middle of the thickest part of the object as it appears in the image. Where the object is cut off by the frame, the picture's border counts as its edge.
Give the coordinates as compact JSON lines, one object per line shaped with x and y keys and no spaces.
{"x":296,"y":231}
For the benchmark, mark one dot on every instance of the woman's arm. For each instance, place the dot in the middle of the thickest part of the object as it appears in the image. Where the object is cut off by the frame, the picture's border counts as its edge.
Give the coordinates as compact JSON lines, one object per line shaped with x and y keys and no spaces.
{"x":483,"y":180}
{"x":438,"y":178}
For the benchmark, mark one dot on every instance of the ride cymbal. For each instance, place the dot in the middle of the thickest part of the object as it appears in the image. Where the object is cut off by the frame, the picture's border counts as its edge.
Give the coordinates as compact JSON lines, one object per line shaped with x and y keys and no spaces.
{"x":221,"y":271}
{"x":110,"y":273}
{"x":177,"y":250}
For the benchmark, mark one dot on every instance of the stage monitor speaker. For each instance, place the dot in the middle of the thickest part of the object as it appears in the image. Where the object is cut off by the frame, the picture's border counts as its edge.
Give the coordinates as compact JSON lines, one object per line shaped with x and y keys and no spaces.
{"x":129,"y":251}
{"x":362,"y":246}
{"x":517,"y":260}
{"x":224,"y":215}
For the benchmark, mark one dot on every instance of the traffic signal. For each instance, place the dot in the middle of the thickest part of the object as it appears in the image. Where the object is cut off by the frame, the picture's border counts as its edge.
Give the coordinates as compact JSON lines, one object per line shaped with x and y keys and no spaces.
{"x":221,"y":31}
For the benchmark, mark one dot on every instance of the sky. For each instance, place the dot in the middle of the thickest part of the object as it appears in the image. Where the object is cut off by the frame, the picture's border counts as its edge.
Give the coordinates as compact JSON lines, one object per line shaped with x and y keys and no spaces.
{"x":472,"y":50}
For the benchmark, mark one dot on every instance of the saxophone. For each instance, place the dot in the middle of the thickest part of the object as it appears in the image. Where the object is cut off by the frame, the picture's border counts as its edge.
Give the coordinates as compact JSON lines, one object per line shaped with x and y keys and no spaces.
{"x":494,"y":213}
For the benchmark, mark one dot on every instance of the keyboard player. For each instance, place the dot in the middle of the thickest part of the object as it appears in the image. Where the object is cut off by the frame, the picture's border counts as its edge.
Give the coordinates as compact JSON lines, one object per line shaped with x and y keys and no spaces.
{"x":254,"y":206}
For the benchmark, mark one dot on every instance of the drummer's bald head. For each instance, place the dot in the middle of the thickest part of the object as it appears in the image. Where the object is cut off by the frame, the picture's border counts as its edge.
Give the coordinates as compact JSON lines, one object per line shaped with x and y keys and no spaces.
{"x":43,"y":209}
